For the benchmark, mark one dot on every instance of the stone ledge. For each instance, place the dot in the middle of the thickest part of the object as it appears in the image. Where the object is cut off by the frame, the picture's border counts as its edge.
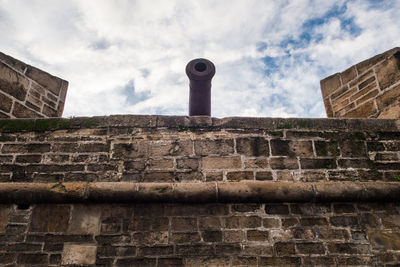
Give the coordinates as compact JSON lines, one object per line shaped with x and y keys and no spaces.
{"x":208,"y":192}
{"x":186,"y":123}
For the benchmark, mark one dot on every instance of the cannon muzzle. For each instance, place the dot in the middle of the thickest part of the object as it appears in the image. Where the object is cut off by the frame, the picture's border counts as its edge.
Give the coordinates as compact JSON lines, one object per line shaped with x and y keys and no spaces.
{"x":200,"y":72}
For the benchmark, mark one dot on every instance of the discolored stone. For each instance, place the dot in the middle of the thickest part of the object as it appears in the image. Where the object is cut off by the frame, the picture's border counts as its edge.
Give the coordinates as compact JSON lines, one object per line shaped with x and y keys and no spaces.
{"x":5,"y":103}
{"x":252,"y":146}
{"x":85,"y":220}
{"x":4,"y":210}
{"x":384,"y":240}
{"x":79,"y":254}
{"x":388,"y":72}
{"x":57,"y":218}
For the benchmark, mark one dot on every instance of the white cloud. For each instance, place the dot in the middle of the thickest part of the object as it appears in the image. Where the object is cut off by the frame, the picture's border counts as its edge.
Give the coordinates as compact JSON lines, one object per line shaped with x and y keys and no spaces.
{"x":100,"y":46}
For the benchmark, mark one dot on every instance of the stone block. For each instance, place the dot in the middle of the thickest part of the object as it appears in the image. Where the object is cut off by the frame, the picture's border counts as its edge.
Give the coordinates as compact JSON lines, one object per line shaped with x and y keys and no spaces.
{"x":240,"y":175}
{"x":284,"y":248}
{"x":310,"y":248}
{"x":29,"y":259}
{"x":284,"y":163}
{"x":252,"y":146}
{"x":257,"y":235}
{"x":216,"y":163}
{"x":212,"y":236}
{"x":13,"y":63}
{"x":206,"y":147}
{"x":309,"y":163}
{"x":50,"y":82}
{"x":184,"y":224}
{"x":50,"y":218}
{"x":195,"y":250}
{"x":233,"y":236}
{"x":156,"y":250}
{"x":79,"y":254}
{"x":184,"y":238}
{"x":5,"y":103}
{"x":384,"y":240}
{"x":187,"y":163}
{"x":13,"y":83}
{"x":281,"y":209}
{"x":330,"y":84}
{"x":20,"y":111}
{"x":389,"y":97}
{"x":4,"y":210}
{"x":170,"y":148}
{"x":388,"y":72}
{"x":244,"y":261}
{"x":348,"y":74}
{"x":348,"y":248}
{"x":85,"y":219}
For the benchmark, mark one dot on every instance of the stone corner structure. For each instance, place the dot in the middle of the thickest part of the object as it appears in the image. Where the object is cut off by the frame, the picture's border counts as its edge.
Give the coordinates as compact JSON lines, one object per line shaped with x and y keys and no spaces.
{"x":28,"y":92}
{"x":148,"y":190}
{"x":369,"y":89}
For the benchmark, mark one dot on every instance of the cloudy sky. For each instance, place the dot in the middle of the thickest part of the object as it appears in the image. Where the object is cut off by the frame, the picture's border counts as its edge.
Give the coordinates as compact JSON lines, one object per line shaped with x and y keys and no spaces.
{"x":128,"y":57}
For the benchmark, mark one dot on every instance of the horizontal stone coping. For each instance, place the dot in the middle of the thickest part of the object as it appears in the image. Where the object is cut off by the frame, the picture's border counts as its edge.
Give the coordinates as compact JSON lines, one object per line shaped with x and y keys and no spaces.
{"x":207,"y":192}
{"x":187,"y":123}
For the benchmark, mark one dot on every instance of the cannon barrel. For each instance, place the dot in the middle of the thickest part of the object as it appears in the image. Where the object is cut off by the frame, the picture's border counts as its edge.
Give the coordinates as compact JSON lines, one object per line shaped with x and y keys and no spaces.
{"x":200,"y":72}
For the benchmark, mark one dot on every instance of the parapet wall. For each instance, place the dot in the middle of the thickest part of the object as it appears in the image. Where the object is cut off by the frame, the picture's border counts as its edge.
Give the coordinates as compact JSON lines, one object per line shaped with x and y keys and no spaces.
{"x":199,"y":191}
{"x":369,"y":89}
{"x":27,"y":92}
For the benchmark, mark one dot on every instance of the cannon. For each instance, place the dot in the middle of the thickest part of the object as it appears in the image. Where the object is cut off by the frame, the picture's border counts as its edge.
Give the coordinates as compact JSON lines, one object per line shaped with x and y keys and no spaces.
{"x":200,"y":72}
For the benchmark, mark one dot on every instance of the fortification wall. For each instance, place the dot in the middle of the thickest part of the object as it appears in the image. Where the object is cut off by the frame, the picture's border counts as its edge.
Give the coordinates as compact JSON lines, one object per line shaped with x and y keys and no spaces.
{"x":160,"y":190}
{"x":27,"y":92}
{"x":369,"y":89}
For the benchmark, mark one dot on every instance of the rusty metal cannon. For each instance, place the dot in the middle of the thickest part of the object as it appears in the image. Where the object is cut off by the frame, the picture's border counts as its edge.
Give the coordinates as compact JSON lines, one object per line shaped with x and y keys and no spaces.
{"x":200,"y":72}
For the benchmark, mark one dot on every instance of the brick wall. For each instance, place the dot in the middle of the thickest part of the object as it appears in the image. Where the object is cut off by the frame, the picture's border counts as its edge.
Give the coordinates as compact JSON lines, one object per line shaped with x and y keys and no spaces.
{"x":27,"y":92}
{"x":279,"y":234}
{"x":370,"y":89}
{"x":174,"y":149}
{"x":341,"y":153}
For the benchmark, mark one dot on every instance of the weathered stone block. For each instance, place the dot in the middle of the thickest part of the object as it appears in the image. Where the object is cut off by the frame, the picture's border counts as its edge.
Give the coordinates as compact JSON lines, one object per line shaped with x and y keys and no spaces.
{"x":240,"y":175}
{"x":156,"y":250}
{"x":233,"y":236}
{"x":348,"y":248}
{"x":252,"y":146}
{"x":79,"y":254}
{"x":389,"y":97}
{"x":284,"y":248}
{"x":212,"y":236}
{"x":4,"y":210}
{"x":184,"y":224}
{"x":215,"y":163}
{"x":182,"y":238}
{"x":195,"y":250}
{"x":48,"y":81}
{"x":206,"y":147}
{"x":388,"y":72}
{"x":284,"y":163}
{"x":32,"y":259}
{"x":276,"y":209}
{"x":349,"y":74}
{"x":21,"y":111}
{"x":85,"y":220}
{"x":384,"y":240}
{"x":257,"y":235}
{"x":5,"y":103}
{"x":330,"y":84}
{"x":310,"y":248}
{"x":57,"y":217}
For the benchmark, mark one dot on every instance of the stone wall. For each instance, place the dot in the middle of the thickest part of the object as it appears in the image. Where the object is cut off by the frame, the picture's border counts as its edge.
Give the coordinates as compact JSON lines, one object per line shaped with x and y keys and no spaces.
{"x":370,"y":89}
{"x":160,"y":191}
{"x":27,"y":92}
